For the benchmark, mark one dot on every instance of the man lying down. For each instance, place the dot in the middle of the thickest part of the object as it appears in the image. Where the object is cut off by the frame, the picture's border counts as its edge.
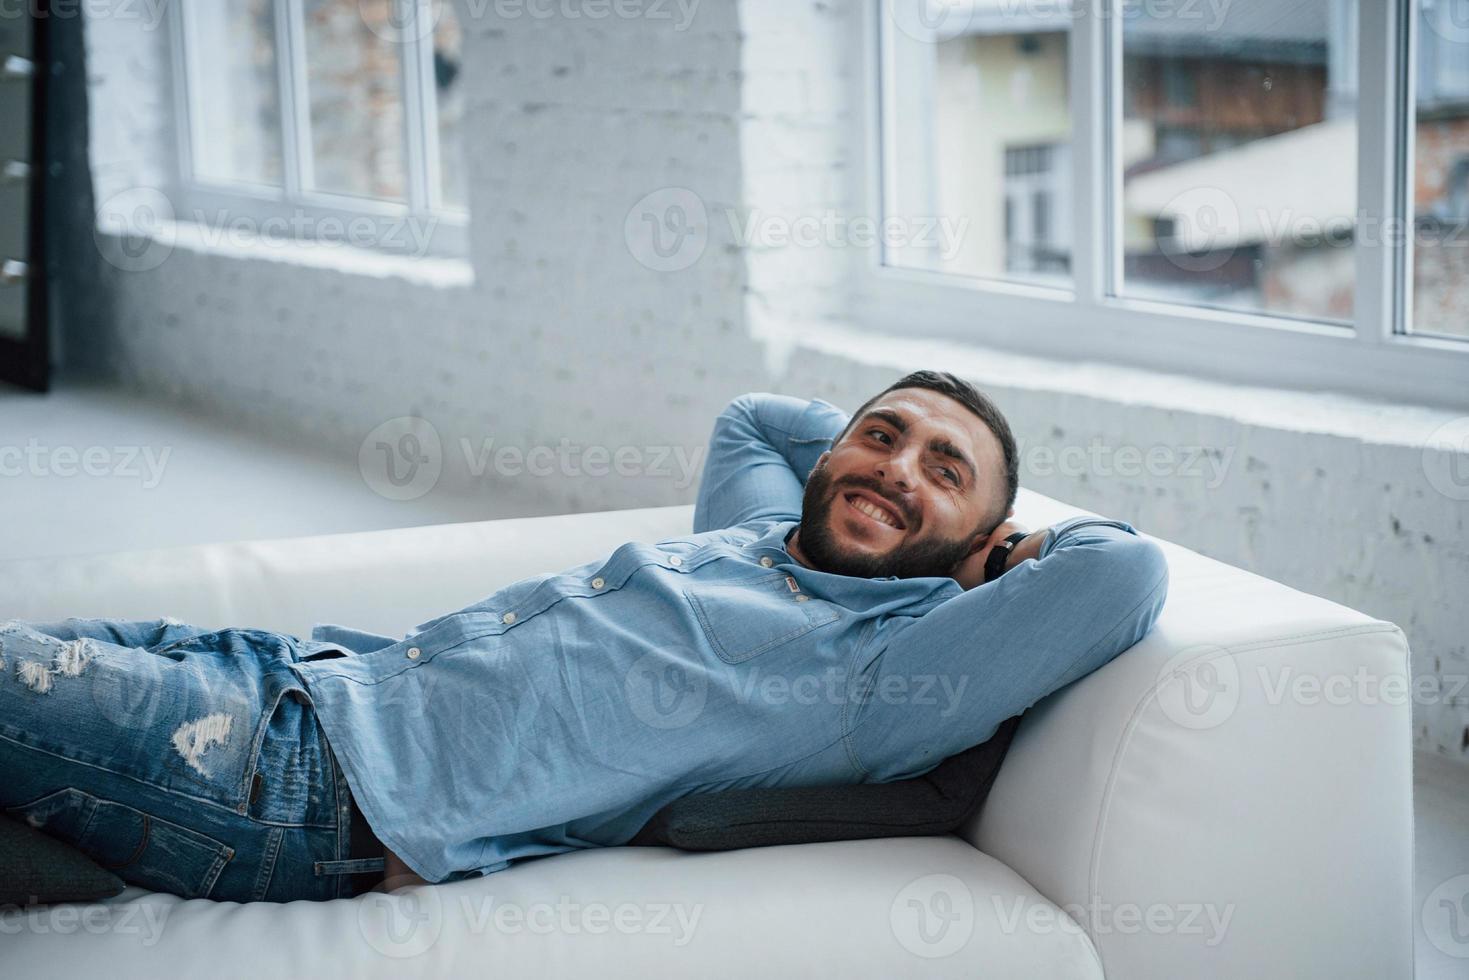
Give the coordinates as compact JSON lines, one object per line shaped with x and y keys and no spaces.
{"x":865,"y":558}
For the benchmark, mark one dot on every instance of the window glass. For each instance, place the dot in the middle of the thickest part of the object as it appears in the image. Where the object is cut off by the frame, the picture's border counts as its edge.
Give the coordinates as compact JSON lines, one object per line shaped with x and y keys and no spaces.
{"x":355,"y":96}
{"x":978,"y":140}
{"x":1440,"y":188}
{"x":1238,"y":147}
{"x":234,"y":91}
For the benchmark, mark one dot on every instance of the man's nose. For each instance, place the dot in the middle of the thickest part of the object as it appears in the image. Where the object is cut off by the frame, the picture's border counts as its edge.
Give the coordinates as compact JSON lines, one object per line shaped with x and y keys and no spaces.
{"x":900,"y":471}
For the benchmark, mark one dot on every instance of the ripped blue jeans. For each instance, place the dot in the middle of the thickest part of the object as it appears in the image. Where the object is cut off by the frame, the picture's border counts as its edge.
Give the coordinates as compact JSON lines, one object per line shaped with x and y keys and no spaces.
{"x":184,"y":760}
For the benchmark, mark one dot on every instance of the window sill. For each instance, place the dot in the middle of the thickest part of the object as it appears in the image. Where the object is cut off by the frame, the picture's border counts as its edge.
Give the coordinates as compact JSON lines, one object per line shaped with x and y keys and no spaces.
{"x":1310,"y":412}
{"x":166,"y":237}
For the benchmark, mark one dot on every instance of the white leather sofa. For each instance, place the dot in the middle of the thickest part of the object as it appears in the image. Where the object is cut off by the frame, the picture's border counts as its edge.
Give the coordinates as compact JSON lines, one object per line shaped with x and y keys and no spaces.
{"x":1190,"y":810}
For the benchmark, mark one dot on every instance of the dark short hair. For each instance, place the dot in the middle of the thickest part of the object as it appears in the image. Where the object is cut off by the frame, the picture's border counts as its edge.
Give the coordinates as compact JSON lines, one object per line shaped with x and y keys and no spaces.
{"x":977,"y":402}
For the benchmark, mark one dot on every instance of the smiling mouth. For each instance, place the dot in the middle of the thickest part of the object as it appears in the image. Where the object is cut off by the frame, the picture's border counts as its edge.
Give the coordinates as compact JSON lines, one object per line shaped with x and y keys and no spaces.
{"x":877,"y":514}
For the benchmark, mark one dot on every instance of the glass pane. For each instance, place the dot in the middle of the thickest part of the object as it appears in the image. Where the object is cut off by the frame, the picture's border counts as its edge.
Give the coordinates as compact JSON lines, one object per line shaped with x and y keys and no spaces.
{"x":1441,"y":171}
{"x":978,"y":138}
{"x":355,"y":92}
{"x":1238,"y":147}
{"x":234,"y":91}
{"x":449,"y":87}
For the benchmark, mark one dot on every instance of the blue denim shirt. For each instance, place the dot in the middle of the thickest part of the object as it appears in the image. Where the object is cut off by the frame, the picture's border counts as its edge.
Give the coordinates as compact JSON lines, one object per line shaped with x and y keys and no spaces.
{"x":565,"y":710}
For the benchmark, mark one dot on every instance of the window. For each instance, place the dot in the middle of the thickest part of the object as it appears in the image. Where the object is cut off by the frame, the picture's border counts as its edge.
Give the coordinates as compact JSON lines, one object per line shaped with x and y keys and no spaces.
{"x":337,"y":120}
{"x":1246,"y":153}
{"x":990,"y":145}
{"x":1267,"y":191}
{"x":1440,"y":185}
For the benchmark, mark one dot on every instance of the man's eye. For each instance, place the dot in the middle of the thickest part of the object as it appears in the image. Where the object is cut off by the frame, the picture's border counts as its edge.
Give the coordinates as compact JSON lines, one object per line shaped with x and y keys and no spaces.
{"x":878,"y":433}
{"x":951,"y":475}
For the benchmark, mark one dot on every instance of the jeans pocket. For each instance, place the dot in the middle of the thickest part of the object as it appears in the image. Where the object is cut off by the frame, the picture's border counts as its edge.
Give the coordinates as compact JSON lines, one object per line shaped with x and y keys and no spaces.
{"x":136,"y":846}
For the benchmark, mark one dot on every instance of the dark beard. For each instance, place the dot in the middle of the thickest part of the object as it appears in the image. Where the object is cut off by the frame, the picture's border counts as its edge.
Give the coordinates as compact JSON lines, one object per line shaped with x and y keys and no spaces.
{"x":917,"y":559}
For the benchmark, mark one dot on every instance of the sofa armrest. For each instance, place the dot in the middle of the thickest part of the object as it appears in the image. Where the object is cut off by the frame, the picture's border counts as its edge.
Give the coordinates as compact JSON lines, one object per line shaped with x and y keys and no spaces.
{"x":1231,"y":797}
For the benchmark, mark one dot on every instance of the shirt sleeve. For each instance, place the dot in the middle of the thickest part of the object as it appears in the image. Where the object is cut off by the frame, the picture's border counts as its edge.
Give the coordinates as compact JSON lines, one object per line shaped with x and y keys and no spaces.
{"x":761,"y":450}
{"x":947,"y":679}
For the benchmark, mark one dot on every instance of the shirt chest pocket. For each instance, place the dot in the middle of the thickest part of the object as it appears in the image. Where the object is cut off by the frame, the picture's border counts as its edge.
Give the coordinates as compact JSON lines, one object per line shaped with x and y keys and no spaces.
{"x":746,"y":618}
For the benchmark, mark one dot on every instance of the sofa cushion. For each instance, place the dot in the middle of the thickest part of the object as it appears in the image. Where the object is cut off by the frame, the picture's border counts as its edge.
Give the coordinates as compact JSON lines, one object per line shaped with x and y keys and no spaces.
{"x":937,"y":802}
{"x":35,"y":868}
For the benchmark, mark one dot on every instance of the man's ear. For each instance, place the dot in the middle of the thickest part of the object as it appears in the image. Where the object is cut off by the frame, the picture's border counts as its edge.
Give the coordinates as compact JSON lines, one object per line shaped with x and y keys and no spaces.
{"x":820,"y":462}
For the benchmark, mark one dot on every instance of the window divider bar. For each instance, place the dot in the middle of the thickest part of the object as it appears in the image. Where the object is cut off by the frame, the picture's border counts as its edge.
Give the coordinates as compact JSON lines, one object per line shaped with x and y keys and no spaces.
{"x":298,"y":172}
{"x":1407,"y":137}
{"x":1094,"y":178}
{"x":1377,"y":243}
{"x":183,"y":98}
{"x":420,"y":119}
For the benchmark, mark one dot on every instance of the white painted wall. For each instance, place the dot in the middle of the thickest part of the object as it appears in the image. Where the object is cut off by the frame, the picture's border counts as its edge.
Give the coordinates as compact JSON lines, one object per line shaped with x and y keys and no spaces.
{"x":552,"y":330}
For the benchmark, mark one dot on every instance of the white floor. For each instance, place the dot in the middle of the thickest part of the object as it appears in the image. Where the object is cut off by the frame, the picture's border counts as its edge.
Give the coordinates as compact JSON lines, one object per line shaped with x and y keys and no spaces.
{"x":217,"y":485}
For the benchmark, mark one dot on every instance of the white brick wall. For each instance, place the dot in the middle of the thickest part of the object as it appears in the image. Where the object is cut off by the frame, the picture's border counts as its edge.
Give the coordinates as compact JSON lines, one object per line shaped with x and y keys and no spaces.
{"x":563,"y":335}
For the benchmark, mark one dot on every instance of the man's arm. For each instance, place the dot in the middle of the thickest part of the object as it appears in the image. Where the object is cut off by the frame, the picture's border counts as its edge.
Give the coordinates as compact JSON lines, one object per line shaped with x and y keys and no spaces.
{"x":945,"y":680}
{"x":760,"y":452}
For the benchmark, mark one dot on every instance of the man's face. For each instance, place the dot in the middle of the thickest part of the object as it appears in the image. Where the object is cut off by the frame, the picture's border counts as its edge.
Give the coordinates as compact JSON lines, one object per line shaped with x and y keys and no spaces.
{"x":906,"y":492}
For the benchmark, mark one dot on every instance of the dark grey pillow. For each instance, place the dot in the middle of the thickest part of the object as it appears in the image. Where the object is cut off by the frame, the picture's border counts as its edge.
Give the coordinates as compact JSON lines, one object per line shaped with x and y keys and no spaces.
{"x":937,"y":802}
{"x":36,"y":868}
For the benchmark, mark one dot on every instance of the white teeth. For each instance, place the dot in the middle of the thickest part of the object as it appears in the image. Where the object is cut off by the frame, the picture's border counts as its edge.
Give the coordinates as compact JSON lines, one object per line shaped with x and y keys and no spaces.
{"x":873,"y":511}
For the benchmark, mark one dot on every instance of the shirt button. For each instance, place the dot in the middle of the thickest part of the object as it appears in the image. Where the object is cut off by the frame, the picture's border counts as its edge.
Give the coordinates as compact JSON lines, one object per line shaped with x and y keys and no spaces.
{"x":675,"y":560}
{"x":414,"y":653}
{"x":598,"y":582}
{"x":802,"y":598}
{"x":767,"y":561}
{"x":508,"y":618}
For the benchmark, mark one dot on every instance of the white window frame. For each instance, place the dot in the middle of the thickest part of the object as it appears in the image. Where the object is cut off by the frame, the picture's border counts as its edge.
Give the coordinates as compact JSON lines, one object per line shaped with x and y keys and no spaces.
{"x":1370,"y":357}
{"x":393,"y":226}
